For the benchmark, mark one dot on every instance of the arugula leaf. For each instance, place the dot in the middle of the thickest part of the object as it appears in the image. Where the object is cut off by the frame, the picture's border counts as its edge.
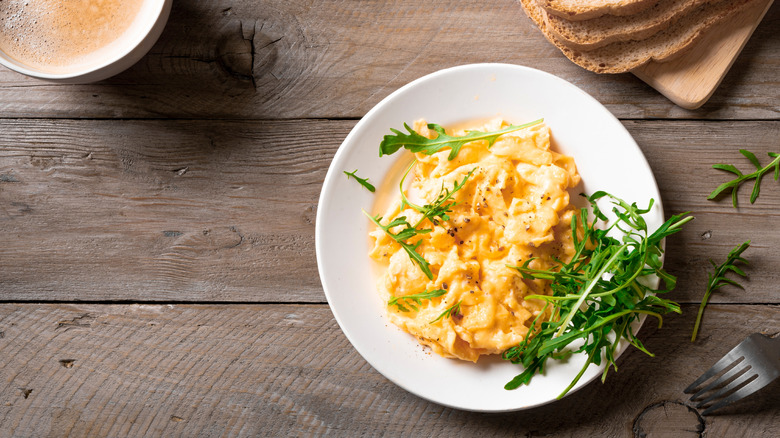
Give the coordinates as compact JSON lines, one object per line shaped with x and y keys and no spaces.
{"x":437,"y":208}
{"x":734,"y":184}
{"x":429,"y":211}
{"x":363,"y":181}
{"x":597,"y":295}
{"x":415,"y":142}
{"x":414,"y":300}
{"x":452,"y":310}
{"x":406,"y":233}
{"x":718,"y":279}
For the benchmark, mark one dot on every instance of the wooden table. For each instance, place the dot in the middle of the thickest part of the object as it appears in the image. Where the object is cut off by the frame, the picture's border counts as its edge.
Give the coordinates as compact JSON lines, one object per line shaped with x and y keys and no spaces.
{"x":158,"y":274}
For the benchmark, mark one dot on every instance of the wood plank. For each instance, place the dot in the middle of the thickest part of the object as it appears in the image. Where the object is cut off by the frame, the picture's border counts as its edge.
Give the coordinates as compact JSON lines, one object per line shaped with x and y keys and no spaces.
{"x":162,"y":211}
{"x":681,"y":155}
{"x":254,"y":370}
{"x":224,"y":211}
{"x":338,"y":58}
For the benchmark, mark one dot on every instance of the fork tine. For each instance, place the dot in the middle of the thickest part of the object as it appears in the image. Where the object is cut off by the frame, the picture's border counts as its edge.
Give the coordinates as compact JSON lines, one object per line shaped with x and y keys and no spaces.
{"x":736,"y":383}
{"x":737,"y":371}
{"x":743,"y":392}
{"x":724,"y":362}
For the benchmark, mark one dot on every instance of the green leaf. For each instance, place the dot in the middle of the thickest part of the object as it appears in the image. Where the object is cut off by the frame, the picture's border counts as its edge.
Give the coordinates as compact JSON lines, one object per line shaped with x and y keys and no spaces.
{"x":363,"y":181}
{"x":415,"y":142}
{"x":727,"y":168}
{"x":414,"y":300}
{"x":756,"y":189}
{"x":598,"y":294}
{"x":406,"y":233}
{"x":452,"y":310}
{"x":438,"y":208}
{"x":751,"y":156}
{"x":718,"y":279}
{"x":734,"y":184}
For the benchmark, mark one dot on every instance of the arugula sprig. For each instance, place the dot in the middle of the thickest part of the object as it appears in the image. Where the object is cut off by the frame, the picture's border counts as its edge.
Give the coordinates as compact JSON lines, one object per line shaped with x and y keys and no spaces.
{"x":437,"y":208}
{"x":415,"y":142}
{"x":598,"y":294}
{"x":402,"y":236}
{"x":448,"y":312}
{"x":734,"y":184}
{"x":718,"y":279}
{"x":362,"y":181}
{"x":413,"y":301}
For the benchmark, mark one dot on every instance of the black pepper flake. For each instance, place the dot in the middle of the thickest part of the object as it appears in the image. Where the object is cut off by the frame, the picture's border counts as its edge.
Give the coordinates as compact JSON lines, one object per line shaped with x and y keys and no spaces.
{"x":461,"y":242}
{"x":444,"y":286}
{"x":467,"y":220}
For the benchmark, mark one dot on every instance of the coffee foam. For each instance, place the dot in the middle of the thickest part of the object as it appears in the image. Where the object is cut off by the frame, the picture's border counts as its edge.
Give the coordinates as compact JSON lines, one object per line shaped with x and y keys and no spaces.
{"x":61,"y":36}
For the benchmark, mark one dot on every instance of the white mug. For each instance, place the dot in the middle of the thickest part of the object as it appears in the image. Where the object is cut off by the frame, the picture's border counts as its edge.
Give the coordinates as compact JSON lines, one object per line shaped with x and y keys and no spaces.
{"x":120,"y":54}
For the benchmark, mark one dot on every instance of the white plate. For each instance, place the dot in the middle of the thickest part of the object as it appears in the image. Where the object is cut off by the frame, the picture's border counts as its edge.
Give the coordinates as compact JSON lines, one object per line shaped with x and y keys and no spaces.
{"x":606,"y":156}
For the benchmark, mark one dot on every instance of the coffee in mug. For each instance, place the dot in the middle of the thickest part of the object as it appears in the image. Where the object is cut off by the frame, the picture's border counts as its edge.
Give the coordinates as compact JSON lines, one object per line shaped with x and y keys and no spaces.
{"x":61,"y":36}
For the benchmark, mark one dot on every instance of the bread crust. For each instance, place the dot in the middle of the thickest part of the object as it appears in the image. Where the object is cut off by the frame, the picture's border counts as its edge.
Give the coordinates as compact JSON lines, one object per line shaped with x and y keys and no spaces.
{"x":607,"y":29}
{"x":577,"y":10}
{"x":621,"y":57}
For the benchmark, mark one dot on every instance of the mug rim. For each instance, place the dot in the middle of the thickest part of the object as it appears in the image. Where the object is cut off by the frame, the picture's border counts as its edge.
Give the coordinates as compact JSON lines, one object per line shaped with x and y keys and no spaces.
{"x":149,"y":32}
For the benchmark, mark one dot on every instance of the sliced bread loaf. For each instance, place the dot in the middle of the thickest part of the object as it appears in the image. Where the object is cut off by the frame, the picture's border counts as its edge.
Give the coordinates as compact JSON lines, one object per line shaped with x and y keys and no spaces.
{"x":620,"y":57}
{"x":576,"y":10}
{"x":598,"y":32}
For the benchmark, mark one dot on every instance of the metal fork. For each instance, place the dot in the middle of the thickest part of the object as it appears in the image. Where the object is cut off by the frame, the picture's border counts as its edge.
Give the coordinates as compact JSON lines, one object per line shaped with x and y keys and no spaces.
{"x":750,"y":366}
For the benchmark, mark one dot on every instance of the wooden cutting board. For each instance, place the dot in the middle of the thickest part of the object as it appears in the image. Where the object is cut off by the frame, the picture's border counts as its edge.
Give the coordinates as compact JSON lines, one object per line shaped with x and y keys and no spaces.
{"x":691,"y":79}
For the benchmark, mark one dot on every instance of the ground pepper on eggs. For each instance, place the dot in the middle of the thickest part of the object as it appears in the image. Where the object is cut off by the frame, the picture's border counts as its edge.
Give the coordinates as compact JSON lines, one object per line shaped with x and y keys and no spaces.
{"x":511,"y":208}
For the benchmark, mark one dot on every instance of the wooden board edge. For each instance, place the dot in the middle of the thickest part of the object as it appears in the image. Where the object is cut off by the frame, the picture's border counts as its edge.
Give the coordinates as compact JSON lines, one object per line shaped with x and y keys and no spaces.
{"x":648,"y":72}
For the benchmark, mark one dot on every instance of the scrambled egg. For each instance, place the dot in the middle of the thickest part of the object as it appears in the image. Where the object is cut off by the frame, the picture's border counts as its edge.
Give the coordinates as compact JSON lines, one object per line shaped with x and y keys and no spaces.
{"x":514,"y":206}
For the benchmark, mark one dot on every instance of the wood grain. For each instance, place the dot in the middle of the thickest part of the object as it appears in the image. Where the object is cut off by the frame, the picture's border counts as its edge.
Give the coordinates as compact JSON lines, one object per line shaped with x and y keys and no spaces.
{"x":338,"y":58}
{"x":224,"y":211}
{"x":162,"y":211}
{"x":255,"y":370}
{"x":179,"y":200}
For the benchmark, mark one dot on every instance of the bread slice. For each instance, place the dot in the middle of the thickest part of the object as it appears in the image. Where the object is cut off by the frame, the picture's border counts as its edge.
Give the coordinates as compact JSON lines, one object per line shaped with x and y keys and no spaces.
{"x":607,"y":29}
{"x":620,"y":57}
{"x":576,"y":10}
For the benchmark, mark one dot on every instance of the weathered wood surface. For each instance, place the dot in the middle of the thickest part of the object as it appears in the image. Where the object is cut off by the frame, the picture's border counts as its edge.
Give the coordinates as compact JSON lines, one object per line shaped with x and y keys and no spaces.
{"x":259,"y":370}
{"x":178,"y":199}
{"x":224,"y":211}
{"x":338,"y":58}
